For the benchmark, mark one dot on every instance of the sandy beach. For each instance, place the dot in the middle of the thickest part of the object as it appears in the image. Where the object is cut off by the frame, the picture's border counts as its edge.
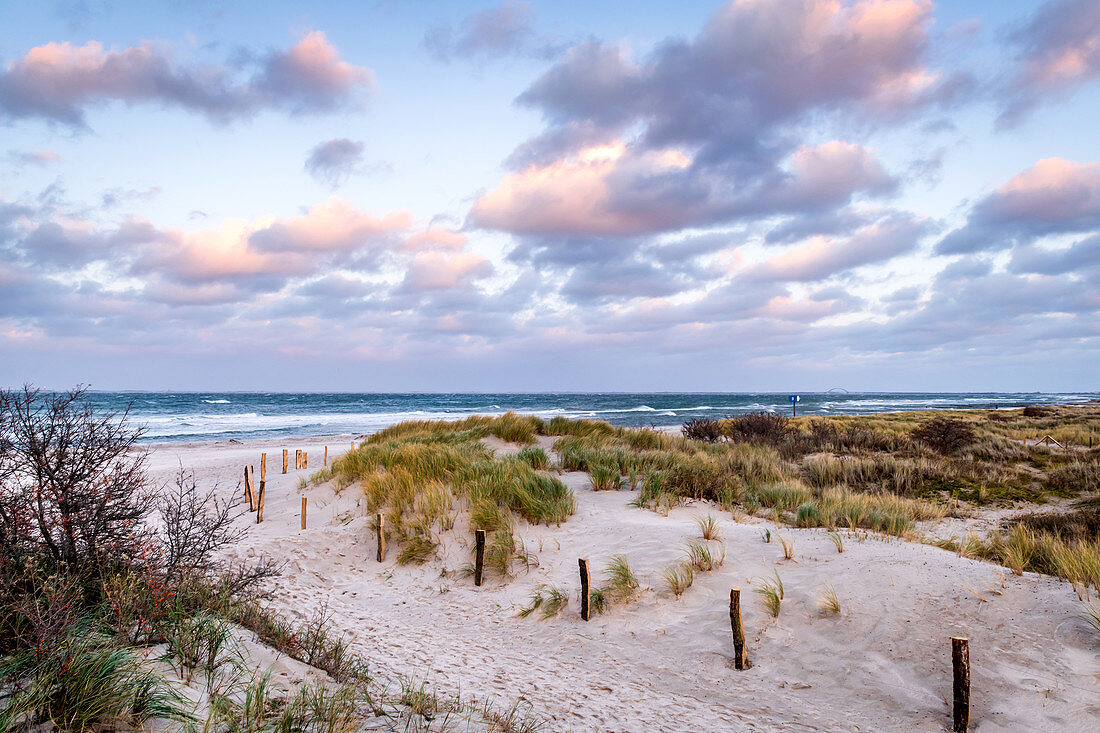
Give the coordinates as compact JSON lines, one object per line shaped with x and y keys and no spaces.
{"x":662,"y":664}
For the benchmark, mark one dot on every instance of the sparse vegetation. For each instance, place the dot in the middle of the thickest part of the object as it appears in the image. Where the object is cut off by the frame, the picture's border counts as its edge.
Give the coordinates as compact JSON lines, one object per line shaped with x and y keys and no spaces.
{"x":771,"y":592}
{"x":621,"y":584}
{"x":549,"y":600}
{"x":708,"y":527}
{"x":678,"y":578}
{"x":702,"y":557}
{"x":829,"y":603}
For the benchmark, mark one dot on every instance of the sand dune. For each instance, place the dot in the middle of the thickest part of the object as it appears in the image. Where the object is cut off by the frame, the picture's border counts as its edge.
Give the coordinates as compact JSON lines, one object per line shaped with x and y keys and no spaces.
{"x":662,"y":664}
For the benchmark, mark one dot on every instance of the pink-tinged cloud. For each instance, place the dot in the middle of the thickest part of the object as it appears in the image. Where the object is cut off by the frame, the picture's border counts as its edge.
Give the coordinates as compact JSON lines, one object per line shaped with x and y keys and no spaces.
{"x":1051,"y":197}
{"x":833,"y":171}
{"x":823,"y":257}
{"x":1053,"y":189}
{"x":620,"y":189}
{"x":59,"y":81}
{"x":436,"y":238}
{"x":312,"y":74}
{"x":279,"y":248}
{"x":35,"y":157}
{"x":1059,"y":51}
{"x":445,"y":271}
{"x":576,"y":195}
{"x":332,"y":226}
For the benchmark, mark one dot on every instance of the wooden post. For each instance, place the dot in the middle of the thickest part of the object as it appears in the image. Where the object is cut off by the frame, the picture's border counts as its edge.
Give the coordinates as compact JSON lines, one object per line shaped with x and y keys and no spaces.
{"x":248,"y":489}
{"x":740,"y":658}
{"x":353,"y":445}
{"x":298,"y":459}
{"x":584,"y":588}
{"x":326,"y":455}
{"x":260,"y":508}
{"x":263,"y":467}
{"x":381,"y":538}
{"x":303,"y":512}
{"x":284,"y":459}
{"x":479,"y":556}
{"x":960,"y":666}
{"x":305,"y":460}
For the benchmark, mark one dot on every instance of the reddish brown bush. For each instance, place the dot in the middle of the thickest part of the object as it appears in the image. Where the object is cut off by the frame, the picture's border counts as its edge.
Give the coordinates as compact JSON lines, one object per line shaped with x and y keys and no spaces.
{"x":944,"y":434}
{"x":766,"y":427}
{"x":701,"y":428}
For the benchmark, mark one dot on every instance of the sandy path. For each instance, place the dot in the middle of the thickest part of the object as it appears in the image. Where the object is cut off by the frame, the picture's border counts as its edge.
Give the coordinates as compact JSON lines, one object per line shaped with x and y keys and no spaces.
{"x":666,"y":665}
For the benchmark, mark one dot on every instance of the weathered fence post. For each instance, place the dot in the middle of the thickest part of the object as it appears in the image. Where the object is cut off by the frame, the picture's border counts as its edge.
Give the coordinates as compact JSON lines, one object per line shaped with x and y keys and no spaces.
{"x":479,"y":556}
{"x":260,"y":508}
{"x":381,"y":538}
{"x":584,"y":588}
{"x":960,"y":667}
{"x":326,"y":455}
{"x":303,"y":512}
{"x":740,"y":658}
{"x":249,"y":490}
{"x":298,"y":459}
{"x":305,"y":461}
{"x":284,"y":459}
{"x":263,"y":467}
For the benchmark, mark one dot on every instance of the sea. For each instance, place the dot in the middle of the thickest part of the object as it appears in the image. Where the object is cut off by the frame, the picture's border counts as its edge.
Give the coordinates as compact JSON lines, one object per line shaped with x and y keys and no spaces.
{"x":184,"y":417}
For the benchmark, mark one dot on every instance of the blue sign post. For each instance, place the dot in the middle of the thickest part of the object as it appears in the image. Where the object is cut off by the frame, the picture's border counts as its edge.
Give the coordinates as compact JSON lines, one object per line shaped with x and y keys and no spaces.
{"x":794,"y":404}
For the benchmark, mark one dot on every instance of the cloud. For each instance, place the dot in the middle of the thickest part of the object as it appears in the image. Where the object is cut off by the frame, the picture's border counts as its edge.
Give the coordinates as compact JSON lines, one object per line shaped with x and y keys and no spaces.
{"x":823,"y":257}
{"x":711,"y":130}
{"x":1080,"y":257}
{"x":504,"y":30}
{"x":1058,"y":52}
{"x":33,"y":157}
{"x":619,"y":190}
{"x":332,"y":161}
{"x":1054,"y":196}
{"x":444,"y":270}
{"x":59,"y":82}
{"x":747,"y":71}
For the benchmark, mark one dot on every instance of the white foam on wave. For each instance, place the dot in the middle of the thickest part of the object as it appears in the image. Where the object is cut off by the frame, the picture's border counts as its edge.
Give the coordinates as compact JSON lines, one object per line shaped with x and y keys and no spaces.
{"x":217,"y":402}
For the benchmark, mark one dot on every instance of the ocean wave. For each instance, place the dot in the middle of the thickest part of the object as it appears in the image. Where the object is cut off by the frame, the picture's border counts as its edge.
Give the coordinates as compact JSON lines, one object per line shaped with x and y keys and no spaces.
{"x":217,"y":402}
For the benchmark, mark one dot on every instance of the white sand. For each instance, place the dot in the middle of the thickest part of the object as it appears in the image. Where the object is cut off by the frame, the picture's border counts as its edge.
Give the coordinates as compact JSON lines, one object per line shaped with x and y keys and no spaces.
{"x":662,"y":664}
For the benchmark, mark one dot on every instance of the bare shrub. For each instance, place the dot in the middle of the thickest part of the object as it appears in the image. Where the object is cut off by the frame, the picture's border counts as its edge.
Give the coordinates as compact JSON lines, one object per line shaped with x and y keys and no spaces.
{"x":702,"y":428}
{"x":945,"y":434}
{"x":73,"y":487}
{"x":196,"y":525}
{"x":1036,"y":411}
{"x":765,"y":427}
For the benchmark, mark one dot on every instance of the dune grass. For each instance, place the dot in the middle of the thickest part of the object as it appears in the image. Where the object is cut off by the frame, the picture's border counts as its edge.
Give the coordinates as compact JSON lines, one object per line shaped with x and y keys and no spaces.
{"x":423,"y":474}
{"x":1024,"y":549}
{"x":771,"y":592}
{"x":829,"y":602}
{"x":621,"y":584}
{"x":702,"y":557}
{"x":678,"y":578}
{"x":549,"y":600}
{"x":708,"y":527}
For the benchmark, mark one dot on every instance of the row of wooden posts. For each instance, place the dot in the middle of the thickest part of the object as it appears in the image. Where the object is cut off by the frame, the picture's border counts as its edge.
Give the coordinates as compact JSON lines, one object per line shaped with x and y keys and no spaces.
{"x":255,"y":497}
{"x":960,"y":647}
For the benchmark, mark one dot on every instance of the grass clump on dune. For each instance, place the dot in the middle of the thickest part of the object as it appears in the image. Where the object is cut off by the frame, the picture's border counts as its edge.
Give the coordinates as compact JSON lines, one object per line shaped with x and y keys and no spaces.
{"x":771,"y":592}
{"x":423,"y":474}
{"x":549,"y":600}
{"x":678,"y":578}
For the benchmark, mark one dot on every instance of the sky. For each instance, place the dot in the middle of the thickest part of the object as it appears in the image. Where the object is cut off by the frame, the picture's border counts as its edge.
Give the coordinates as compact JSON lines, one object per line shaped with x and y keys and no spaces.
{"x":759,"y":195}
